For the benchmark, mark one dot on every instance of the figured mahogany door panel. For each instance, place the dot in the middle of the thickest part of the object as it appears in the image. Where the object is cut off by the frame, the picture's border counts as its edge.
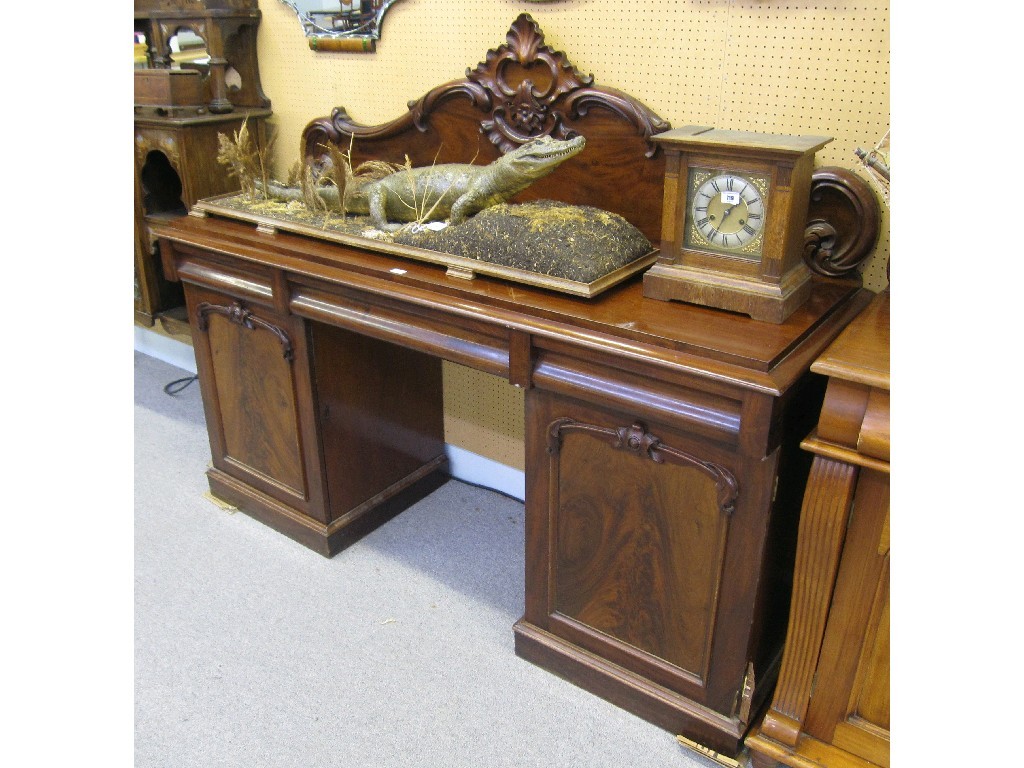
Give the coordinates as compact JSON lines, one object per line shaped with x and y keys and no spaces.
{"x":258,"y":407}
{"x":852,"y":710}
{"x":381,"y":413}
{"x":248,"y":374}
{"x":639,"y":533}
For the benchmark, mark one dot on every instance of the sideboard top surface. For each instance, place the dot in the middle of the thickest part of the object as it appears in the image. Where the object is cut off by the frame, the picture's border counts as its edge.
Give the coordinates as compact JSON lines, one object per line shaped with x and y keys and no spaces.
{"x":861,"y":352}
{"x":618,"y":320}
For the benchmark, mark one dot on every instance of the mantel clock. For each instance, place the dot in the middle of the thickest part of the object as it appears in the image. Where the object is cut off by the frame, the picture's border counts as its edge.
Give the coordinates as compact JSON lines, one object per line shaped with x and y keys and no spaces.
{"x":735,"y":210}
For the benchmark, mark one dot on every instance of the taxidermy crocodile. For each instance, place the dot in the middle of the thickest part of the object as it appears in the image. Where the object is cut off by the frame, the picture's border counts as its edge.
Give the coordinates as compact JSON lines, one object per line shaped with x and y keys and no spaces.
{"x":453,"y":191}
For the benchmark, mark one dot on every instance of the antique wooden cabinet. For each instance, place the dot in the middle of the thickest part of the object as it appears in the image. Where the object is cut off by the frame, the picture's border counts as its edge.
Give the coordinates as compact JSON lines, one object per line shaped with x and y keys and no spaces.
{"x":175,"y":166}
{"x":179,"y":110}
{"x":831,"y":705}
{"x":311,"y":426}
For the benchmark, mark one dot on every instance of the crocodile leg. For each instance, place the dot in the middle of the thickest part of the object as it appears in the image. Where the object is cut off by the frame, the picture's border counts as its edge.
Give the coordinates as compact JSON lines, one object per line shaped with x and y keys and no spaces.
{"x":378,"y":209}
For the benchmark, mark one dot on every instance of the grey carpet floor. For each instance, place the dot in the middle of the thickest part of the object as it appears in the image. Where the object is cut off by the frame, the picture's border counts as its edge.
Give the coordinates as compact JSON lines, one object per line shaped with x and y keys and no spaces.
{"x":251,"y":650}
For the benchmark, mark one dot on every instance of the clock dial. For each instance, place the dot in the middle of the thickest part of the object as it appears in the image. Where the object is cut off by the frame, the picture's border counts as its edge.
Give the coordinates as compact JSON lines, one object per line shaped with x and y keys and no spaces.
{"x":727,"y":212}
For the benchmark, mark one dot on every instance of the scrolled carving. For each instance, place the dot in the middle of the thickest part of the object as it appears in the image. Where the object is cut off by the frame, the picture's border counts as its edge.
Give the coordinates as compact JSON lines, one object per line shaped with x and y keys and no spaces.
{"x":527,"y":109}
{"x":643,"y":120}
{"x":239,"y":315}
{"x":524,"y":88}
{"x":637,"y":440}
{"x":843,"y":222}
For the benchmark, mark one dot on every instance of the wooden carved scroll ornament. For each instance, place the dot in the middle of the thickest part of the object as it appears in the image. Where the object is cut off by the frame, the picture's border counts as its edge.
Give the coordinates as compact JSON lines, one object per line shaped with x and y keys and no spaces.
{"x":843,"y":222}
{"x":637,"y":440}
{"x":522,"y":90}
{"x":525,"y":89}
{"x":239,"y":315}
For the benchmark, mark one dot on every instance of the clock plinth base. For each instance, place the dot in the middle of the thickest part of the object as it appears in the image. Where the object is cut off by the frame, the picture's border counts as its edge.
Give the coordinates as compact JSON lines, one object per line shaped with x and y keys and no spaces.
{"x":766,"y":302}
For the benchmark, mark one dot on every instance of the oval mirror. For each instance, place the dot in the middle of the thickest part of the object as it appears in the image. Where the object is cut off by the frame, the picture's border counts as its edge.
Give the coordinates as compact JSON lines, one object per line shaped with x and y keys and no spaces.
{"x":341,"y":25}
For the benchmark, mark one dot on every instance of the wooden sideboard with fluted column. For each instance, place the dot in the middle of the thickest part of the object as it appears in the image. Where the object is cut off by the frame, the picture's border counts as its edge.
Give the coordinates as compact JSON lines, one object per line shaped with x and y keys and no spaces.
{"x":831,"y":704}
{"x":663,"y":463}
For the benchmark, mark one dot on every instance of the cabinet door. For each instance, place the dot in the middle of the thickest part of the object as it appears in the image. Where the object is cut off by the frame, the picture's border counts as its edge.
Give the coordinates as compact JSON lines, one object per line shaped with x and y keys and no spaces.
{"x":252,"y":363}
{"x":642,"y":552}
{"x":850,"y":705}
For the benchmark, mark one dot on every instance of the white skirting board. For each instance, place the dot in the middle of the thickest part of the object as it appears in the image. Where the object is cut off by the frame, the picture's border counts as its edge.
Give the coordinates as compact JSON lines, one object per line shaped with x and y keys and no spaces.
{"x":165,"y":348}
{"x":479,"y":470}
{"x":462,"y":464}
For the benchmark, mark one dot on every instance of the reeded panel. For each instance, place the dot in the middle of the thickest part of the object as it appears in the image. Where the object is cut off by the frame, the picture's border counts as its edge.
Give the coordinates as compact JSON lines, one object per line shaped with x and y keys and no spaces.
{"x":641,"y":559}
{"x":256,"y":393}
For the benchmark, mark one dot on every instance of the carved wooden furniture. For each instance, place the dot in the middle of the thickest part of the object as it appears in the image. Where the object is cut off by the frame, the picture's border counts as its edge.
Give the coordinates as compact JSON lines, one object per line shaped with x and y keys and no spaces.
{"x":176,"y":126}
{"x":663,"y":466}
{"x":831,"y":705}
{"x":231,"y":79}
{"x":175,"y":166}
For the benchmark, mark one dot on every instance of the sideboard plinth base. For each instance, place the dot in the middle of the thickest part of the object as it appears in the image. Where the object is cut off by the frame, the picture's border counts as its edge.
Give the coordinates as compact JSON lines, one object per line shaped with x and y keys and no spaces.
{"x":329,"y":539}
{"x":627,"y":690}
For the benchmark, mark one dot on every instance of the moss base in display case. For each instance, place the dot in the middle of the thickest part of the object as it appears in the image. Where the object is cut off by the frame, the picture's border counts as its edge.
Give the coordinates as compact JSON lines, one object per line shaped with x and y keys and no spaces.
{"x":573,"y":249}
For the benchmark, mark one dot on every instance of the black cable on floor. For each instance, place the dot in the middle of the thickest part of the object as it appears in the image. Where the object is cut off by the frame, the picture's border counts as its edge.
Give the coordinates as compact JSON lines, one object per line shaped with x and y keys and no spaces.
{"x":179,"y":384}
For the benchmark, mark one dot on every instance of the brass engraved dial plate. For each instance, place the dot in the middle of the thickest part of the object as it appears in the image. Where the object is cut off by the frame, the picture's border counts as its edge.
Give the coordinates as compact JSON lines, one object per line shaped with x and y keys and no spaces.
{"x":726,"y":212}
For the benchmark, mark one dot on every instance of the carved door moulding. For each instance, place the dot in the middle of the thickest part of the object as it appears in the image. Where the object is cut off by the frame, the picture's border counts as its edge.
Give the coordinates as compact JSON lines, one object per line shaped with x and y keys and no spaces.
{"x":637,"y":440}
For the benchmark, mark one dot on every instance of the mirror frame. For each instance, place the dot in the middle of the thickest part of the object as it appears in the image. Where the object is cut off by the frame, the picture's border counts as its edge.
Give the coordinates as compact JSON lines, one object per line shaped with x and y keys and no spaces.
{"x":363,"y":39}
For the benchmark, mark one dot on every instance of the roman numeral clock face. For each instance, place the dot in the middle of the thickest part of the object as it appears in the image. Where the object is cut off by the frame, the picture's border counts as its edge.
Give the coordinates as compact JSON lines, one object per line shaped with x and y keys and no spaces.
{"x":726,"y":212}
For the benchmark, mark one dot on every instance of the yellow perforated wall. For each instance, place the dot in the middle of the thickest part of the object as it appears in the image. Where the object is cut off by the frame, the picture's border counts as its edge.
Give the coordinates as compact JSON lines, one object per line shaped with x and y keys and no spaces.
{"x":775,"y":66}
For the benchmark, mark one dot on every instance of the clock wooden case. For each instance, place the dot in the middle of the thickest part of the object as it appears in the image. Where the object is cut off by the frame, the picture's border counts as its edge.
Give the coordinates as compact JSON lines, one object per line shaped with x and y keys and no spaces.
{"x":735,"y":210}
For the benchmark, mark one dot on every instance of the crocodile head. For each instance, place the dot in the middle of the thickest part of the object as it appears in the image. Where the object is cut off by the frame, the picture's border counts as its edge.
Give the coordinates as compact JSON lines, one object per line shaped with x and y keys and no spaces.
{"x":539,"y":157}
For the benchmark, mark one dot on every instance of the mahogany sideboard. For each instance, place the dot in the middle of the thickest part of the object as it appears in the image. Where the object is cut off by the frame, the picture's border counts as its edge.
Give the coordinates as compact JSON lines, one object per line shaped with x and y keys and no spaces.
{"x":663,"y":464}
{"x":831,"y":704}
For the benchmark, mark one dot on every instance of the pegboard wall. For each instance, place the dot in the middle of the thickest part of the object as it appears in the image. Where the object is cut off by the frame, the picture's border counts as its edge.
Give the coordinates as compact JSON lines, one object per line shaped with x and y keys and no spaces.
{"x":774,"y":66}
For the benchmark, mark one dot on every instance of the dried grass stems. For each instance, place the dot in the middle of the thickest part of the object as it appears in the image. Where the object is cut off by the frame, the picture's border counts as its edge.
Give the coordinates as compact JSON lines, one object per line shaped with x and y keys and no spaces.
{"x":349,"y":181}
{"x":422,"y":214}
{"x":246,"y":161}
{"x":578,"y":243}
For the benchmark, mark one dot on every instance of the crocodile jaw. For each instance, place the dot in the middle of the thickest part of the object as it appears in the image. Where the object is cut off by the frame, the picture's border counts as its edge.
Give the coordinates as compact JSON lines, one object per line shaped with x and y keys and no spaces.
{"x":540,"y":157}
